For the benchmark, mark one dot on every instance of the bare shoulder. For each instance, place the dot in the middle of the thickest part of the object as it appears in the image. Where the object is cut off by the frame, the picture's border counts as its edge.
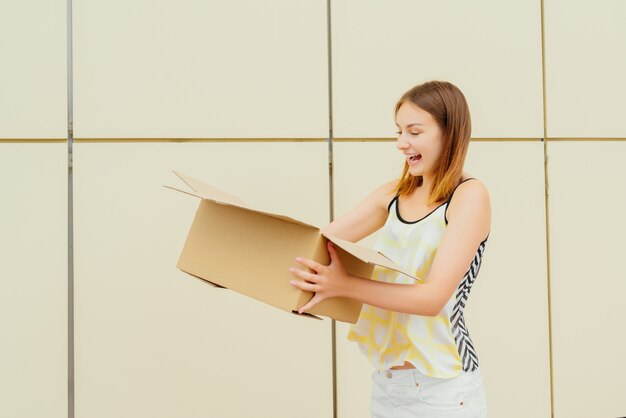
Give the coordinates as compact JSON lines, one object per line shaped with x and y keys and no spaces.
{"x":473,"y":189}
{"x":365,"y":218}
{"x":384,"y":193}
{"x":470,"y":200}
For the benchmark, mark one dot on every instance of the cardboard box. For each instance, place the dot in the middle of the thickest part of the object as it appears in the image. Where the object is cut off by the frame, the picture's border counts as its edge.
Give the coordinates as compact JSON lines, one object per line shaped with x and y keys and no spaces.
{"x":235,"y":246}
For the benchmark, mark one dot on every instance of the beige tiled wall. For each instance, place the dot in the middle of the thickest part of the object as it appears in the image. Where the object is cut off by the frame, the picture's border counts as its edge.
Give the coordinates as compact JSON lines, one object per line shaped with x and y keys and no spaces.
{"x":585,"y":67}
{"x":33,"y":280}
{"x":491,"y":50}
{"x":153,"y":341}
{"x":33,"y":63}
{"x":587,"y":230}
{"x":197,"y":69}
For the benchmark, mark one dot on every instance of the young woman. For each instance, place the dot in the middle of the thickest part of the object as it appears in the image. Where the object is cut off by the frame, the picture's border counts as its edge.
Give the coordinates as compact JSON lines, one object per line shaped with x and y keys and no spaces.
{"x":435,"y":222}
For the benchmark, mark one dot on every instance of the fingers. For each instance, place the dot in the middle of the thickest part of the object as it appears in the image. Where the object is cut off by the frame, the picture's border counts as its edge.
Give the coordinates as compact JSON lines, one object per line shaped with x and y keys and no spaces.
{"x":332,"y":252}
{"x":312,"y":280}
{"x":309,"y":287}
{"x":335,"y":261}
{"x":304,"y":274}
{"x":313,"y":265}
{"x":314,"y":301}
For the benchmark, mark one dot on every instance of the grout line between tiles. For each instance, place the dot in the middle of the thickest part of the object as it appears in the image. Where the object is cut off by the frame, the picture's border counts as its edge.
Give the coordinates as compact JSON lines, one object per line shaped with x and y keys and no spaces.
{"x":226,"y":140}
{"x":70,"y":218}
{"x":331,"y":191}
{"x":547,"y":202}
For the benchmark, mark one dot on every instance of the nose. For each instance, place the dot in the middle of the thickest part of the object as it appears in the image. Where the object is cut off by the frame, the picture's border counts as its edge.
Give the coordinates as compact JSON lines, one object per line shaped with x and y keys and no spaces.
{"x":401,"y":144}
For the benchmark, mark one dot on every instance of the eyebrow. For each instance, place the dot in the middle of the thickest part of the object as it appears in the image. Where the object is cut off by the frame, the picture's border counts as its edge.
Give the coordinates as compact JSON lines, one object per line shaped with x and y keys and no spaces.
{"x":412,"y":124}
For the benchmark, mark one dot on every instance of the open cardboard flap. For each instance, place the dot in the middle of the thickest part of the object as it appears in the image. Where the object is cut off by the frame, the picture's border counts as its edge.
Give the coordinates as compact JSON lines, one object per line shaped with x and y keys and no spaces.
{"x":204,"y":191}
{"x":368,"y":255}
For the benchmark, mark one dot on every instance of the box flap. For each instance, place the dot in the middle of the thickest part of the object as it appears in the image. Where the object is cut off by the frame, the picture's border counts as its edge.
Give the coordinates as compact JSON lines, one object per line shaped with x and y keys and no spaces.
{"x":204,"y":191}
{"x":189,"y":192}
{"x":369,"y":255}
{"x":210,"y":192}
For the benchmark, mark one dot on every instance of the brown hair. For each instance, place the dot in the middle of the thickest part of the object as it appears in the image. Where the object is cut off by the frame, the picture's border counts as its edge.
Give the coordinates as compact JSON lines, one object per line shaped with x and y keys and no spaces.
{"x":447,"y":105}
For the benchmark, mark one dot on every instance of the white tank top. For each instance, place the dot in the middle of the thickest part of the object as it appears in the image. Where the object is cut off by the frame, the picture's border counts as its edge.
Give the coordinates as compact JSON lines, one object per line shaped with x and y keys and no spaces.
{"x":438,"y":346}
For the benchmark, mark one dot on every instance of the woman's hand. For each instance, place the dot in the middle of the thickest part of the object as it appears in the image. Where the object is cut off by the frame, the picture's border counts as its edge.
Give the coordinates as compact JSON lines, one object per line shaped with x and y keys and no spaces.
{"x":326,"y":281}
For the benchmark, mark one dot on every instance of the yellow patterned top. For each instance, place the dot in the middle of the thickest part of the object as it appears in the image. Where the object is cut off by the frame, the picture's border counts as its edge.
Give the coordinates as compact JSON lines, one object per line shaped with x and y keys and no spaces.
{"x":437,"y":346}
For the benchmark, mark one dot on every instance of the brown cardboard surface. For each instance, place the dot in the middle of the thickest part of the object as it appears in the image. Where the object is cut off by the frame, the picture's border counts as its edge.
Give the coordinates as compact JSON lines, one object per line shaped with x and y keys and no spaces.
{"x":246,"y":251}
{"x":250,"y":251}
{"x":368,"y":255}
{"x":208,"y":191}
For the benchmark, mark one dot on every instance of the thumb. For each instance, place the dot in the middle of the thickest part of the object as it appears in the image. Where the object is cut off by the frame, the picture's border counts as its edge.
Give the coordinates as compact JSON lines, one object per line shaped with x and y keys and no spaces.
{"x":332,"y":251}
{"x":314,"y":301}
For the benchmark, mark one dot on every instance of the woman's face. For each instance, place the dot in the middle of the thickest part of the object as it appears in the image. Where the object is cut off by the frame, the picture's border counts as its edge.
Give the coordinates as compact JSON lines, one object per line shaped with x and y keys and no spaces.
{"x":419,"y":139}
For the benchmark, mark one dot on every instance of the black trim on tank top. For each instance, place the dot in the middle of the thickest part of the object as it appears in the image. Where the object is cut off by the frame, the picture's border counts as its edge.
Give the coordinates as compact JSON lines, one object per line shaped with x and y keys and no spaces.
{"x":404,"y":221}
{"x":445,"y":214}
{"x":391,"y":203}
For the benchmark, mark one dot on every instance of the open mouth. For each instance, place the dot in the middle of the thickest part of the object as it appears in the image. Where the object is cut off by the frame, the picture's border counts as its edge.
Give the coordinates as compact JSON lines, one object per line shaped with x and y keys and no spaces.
{"x":413,"y":158}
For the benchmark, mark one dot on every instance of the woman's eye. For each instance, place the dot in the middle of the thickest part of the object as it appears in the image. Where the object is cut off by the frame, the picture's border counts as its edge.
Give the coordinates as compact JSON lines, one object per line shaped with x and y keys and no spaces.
{"x":398,"y":133}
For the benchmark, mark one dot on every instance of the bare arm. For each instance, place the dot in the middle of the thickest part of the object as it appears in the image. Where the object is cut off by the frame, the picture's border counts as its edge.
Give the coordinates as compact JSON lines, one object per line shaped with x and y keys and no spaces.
{"x":364,"y":219}
{"x":469,"y":216}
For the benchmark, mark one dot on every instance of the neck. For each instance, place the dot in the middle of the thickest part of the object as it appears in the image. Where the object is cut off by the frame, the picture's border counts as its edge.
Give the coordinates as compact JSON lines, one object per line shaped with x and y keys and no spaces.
{"x":427,"y":182}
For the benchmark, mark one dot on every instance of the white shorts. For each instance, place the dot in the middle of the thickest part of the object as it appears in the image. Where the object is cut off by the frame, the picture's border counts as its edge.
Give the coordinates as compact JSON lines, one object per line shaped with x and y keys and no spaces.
{"x":410,"y":394}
